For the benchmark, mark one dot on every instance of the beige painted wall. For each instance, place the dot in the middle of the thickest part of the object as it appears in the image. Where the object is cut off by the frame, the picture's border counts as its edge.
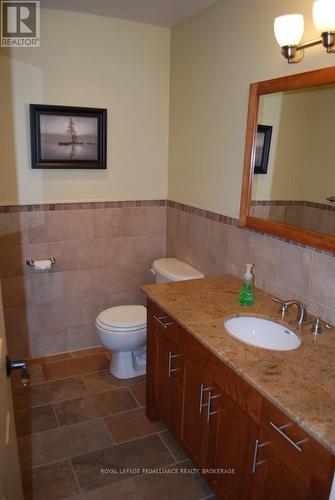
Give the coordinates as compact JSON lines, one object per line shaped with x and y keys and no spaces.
{"x":214,"y":57}
{"x":87,"y":60}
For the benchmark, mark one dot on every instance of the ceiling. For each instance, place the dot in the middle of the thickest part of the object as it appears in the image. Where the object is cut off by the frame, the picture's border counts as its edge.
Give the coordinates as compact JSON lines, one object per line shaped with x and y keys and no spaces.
{"x":158,"y":12}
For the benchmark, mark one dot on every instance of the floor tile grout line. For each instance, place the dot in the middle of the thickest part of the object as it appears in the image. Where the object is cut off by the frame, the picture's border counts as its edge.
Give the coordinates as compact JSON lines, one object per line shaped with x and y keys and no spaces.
{"x":137,"y":401}
{"x":51,"y":381}
{"x":119,"y":444}
{"x":63,"y":426}
{"x":120,"y":412}
{"x":47,"y":356}
{"x":75,"y":375}
{"x":137,"y":438}
{"x":82,"y":491}
{"x":103,"y":417}
{"x":85,"y":383}
{"x":33,"y":467}
{"x":79,"y":375}
{"x":100,"y":416}
{"x":56,"y":416}
{"x":86,"y":394}
{"x":70,"y":457}
{"x":166,"y":446}
{"x":75,"y":476}
{"x":108,"y":430}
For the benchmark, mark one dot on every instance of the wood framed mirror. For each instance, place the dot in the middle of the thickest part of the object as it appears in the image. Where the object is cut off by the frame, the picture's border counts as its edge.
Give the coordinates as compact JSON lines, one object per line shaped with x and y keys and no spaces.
{"x":295,"y":198}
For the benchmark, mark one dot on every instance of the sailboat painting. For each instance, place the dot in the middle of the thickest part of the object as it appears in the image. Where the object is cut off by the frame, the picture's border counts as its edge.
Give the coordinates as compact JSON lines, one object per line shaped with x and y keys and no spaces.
{"x":68,"y":139}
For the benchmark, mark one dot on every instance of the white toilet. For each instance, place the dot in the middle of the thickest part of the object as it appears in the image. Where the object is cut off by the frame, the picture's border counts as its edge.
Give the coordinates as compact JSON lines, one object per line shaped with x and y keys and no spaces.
{"x":122,"y":329}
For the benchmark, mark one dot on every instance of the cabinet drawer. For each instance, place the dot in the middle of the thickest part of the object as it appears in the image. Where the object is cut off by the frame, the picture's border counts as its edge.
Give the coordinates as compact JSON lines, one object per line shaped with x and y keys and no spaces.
{"x":292,"y":439}
{"x":164,"y":323}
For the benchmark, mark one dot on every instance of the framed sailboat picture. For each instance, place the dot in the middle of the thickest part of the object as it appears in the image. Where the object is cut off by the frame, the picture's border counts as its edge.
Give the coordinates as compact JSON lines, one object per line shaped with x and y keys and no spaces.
{"x":67,"y":137}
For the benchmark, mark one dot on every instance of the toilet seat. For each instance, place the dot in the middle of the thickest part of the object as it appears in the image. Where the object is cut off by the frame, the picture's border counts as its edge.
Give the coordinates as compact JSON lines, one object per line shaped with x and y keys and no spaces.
{"x":120,"y":331}
{"x":123,"y":319}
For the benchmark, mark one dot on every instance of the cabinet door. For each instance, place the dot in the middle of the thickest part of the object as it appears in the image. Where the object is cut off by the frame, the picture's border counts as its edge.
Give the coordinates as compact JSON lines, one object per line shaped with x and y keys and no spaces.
{"x":164,"y":369}
{"x":195,"y":428}
{"x":169,"y":383}
{"x":290,"y":463}
{"x":234,"y":444}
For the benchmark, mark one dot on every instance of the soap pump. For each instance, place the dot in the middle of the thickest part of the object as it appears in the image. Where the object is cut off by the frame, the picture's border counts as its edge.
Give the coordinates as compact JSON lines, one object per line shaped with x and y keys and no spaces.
{"x":247,"y":289}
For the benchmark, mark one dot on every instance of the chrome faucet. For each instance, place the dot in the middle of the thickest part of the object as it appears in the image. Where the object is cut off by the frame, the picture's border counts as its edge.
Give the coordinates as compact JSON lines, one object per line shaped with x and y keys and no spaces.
{"x":284,"y":306}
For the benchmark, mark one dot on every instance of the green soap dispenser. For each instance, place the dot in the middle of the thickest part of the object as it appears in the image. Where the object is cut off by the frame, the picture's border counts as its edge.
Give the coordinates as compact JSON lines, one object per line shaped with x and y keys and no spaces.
{"x":247,"y":289}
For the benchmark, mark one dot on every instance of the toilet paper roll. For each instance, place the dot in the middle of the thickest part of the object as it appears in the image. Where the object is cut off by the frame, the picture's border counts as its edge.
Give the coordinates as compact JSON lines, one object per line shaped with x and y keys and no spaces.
{"x":42,"y":265}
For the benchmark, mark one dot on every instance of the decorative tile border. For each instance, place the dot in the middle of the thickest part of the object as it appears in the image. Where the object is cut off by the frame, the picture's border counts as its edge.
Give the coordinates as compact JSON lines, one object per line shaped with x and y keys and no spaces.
{"x":290,"y":203}
{"x":51,"y":207}
{"x":235,"y":222}
{"x":231,"y":221}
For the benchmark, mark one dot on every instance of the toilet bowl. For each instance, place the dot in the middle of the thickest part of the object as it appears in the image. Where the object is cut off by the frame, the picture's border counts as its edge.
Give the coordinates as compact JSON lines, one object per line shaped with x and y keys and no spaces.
{"x":122,"y":329}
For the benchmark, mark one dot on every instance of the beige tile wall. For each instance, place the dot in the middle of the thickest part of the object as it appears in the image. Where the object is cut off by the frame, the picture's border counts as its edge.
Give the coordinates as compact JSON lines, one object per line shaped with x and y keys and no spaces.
{"x":306,"y":217}
{"x":103,"y":257}
{"x":282,"y":269}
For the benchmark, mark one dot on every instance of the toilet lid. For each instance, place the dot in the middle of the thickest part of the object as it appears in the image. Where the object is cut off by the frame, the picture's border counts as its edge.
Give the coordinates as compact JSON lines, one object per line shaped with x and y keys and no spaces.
{"x":124,"y":317}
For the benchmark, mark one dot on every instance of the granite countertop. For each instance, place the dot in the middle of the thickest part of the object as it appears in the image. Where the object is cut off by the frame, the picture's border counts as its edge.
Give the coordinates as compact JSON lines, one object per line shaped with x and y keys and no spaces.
{"x":301,"y":382}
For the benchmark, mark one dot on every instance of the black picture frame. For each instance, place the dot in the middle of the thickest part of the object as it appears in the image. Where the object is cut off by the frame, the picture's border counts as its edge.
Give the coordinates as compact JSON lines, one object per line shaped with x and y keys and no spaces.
{"x":262,"y":147}
{"x":68,"y":137}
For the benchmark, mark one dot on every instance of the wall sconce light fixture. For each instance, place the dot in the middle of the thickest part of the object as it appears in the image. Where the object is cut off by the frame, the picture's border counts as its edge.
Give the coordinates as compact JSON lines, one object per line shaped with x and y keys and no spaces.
{"x":289,"y":31}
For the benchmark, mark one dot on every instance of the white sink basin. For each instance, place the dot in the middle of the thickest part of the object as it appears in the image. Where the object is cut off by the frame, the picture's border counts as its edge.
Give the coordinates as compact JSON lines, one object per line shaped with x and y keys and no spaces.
{"x":262,"y":333}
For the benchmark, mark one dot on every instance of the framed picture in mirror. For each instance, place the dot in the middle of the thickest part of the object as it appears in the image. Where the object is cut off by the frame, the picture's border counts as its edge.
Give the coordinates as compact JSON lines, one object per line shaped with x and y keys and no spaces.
{"x":262,"y":149}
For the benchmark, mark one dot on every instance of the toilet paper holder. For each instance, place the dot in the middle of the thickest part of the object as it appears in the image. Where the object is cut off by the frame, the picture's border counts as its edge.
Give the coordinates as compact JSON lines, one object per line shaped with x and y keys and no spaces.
{"x":31,"y":262}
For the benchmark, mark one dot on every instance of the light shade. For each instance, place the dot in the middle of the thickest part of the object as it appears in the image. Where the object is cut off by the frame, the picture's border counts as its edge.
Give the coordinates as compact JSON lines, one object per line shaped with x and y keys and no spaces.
{"x":324,"y":15}
{"x":289,"y":29}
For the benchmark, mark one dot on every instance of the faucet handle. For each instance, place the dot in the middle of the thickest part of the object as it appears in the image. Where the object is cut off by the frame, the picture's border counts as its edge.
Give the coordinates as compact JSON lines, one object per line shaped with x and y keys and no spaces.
{"x":283,"y":307}
{"x":318,"y":325}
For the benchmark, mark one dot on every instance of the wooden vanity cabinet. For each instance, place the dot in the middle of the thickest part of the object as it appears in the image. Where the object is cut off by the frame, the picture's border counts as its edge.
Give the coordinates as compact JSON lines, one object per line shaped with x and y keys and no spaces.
{"x":219,"y":421}
{"x":233,"y":452}
{"x":223,"y":423}
{"x":194,"y":432}
{"x":291,"y":464}
{"x":165,"y":364}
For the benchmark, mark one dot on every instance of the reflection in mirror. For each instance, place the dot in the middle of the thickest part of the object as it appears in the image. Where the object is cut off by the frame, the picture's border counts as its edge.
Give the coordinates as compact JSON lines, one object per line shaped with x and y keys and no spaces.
{"x":298,"y":187}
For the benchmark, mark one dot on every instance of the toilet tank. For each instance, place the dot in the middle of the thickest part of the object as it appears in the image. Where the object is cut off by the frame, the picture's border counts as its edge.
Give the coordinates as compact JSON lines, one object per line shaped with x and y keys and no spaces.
{"x":171,"y":269}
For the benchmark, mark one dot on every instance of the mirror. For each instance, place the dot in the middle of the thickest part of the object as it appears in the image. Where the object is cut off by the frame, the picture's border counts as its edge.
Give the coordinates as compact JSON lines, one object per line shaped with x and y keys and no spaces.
{"x":289,"y":172}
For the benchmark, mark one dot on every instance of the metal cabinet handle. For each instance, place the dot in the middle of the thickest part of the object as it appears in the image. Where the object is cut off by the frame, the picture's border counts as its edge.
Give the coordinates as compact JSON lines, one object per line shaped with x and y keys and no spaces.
{"x":209,"y":409}
{"x":255,"y":463}
{"x":285,"y":436}
{"x":171,"y":356}
{"x":203,"y":389}
{"x":160,"y":321}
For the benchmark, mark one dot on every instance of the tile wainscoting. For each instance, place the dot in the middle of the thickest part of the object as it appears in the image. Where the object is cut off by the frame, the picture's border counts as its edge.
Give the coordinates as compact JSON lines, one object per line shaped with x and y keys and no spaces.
{"x":215,"y":245}
{"x":103,"y":254}
{"x":305,"y":214}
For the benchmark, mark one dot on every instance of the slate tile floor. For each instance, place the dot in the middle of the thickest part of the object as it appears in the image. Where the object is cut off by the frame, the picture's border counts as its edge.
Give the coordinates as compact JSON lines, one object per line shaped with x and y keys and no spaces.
{"x":76,"y":419}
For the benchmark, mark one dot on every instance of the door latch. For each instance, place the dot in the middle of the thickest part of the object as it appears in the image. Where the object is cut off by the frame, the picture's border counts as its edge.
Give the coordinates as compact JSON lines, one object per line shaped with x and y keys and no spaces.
{"x":18,"y":365}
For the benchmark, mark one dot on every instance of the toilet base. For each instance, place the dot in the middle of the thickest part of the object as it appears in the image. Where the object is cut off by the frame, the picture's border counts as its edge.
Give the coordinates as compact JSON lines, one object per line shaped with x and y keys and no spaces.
{"x":127,"y":365}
